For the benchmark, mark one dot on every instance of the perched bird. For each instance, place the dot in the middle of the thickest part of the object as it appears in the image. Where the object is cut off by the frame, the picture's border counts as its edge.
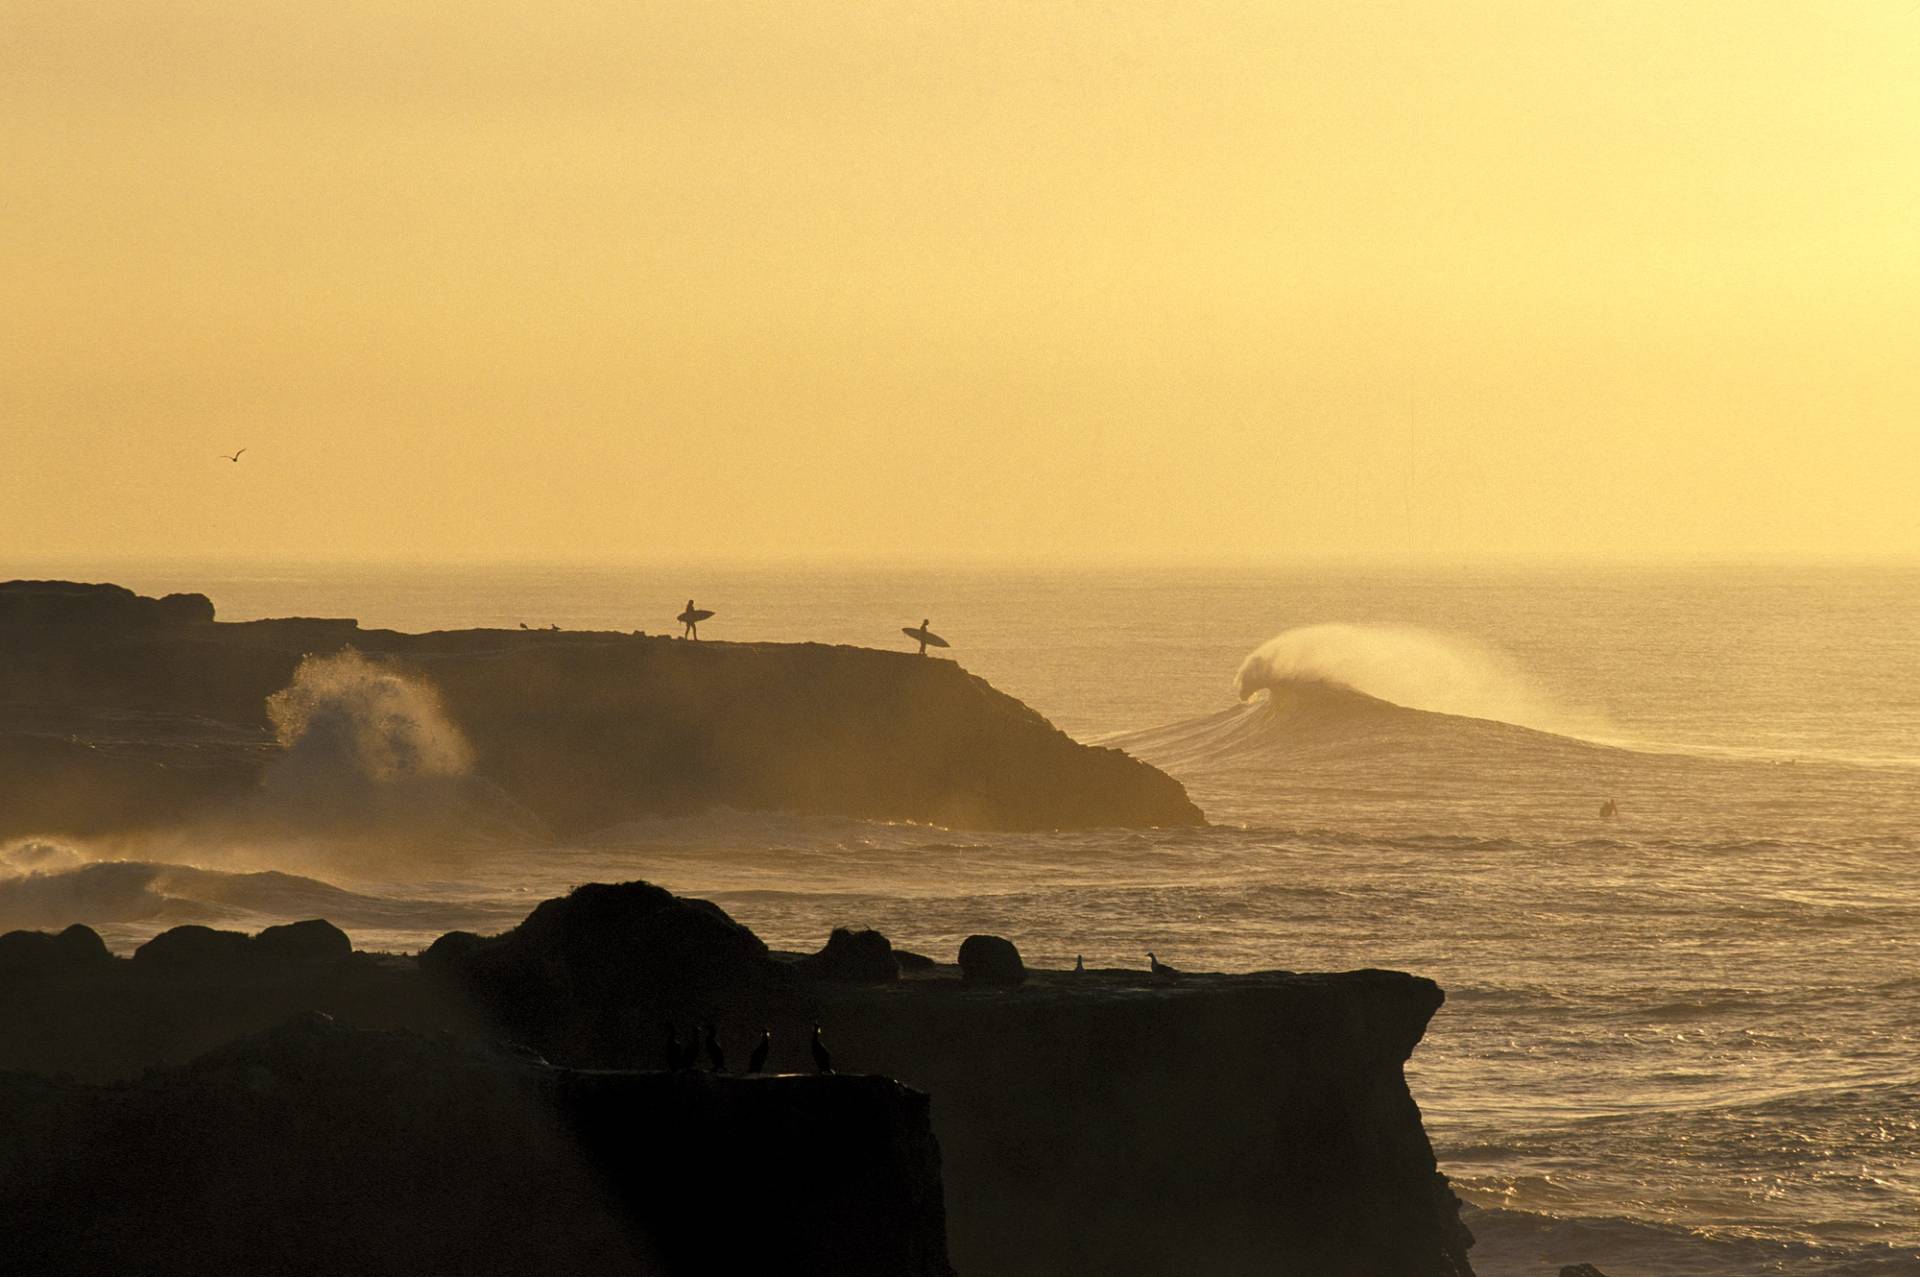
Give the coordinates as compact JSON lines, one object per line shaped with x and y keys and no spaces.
{"x":822,"y":1058}
{"x":1079,"y":964}
{"x":1158,"y":967}
{"x":232,"y":456}
{"x":758,"y":1060}
{"x":716,"y":1058}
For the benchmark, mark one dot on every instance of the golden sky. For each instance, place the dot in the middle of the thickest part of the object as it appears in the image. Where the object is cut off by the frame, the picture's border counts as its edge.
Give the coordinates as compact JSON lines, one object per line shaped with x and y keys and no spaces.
{"x":1017,"y":280}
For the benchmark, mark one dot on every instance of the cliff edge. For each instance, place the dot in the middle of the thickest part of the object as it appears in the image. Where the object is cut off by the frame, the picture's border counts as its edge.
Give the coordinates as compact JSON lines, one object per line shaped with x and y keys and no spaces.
{"x":118,"y":712}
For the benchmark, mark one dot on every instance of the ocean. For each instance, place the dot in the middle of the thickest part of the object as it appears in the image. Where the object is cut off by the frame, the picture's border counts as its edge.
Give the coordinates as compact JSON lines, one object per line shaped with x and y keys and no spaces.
{"x":1683,"y":1039}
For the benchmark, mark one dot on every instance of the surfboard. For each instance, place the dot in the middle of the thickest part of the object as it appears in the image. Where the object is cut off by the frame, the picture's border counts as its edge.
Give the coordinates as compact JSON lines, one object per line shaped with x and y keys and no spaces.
{"x":693,"y":617}
{"x":928,"y":637}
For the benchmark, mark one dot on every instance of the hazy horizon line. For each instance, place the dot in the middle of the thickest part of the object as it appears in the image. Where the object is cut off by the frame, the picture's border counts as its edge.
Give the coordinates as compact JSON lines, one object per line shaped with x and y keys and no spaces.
{"x":23,"y":567}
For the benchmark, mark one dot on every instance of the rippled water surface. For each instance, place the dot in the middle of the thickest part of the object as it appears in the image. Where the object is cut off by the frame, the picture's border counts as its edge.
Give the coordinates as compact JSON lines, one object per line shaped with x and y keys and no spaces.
{"x":1685,"y":1040}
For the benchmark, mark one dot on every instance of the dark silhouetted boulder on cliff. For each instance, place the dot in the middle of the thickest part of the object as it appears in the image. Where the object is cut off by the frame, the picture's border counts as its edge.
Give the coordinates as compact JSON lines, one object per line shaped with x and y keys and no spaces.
{"x":854,"y":957}
{"x":194,"y":948}
{"x":991,"y":960}
{"x":315,"y":940}
{"x":40,"y":955}
{"x":591,"y":976}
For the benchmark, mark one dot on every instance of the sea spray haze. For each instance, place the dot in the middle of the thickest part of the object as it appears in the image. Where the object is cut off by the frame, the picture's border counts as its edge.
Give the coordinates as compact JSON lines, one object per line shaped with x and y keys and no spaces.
{"x":371,"y":760}
{"x":1679,"y":1042}
{"x":346,"y":720}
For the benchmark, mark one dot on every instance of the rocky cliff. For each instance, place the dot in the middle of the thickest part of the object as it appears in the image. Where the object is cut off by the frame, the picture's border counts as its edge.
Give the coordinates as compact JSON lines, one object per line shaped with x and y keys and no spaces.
{"x":1105,"y":1121}
{"x":313,"y":1148}
{"x":118,"y":712}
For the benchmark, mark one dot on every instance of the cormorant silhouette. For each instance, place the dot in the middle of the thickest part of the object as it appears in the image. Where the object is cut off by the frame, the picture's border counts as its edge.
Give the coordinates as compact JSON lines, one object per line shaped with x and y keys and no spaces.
{"x":1079,"y":964}
{"x":1158,"y":967}
{"x":716,"y":1058}
{"x":822,"y":1058}
{"x":758,"y":1060}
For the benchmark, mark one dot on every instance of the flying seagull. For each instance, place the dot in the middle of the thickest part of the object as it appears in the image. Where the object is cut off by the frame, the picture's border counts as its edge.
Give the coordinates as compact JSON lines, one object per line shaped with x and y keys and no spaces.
{"x":232,"y":456}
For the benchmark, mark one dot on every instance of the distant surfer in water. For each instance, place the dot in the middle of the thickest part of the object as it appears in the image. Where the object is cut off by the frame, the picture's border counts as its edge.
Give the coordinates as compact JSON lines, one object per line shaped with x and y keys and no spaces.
{"x":1609,"y":809}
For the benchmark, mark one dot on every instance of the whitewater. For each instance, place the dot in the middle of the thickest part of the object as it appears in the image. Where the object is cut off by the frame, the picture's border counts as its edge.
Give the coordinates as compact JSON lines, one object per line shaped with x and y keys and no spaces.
{"x":1684,"y":1040}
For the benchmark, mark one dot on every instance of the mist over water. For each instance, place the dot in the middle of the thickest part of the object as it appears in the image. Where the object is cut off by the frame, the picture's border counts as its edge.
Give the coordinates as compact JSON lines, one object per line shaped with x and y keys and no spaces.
{"x":1686,"y":1041}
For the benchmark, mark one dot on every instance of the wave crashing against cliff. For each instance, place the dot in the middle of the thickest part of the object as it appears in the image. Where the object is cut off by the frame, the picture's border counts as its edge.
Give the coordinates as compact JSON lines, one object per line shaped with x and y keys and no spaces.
{"x":370,"y":752}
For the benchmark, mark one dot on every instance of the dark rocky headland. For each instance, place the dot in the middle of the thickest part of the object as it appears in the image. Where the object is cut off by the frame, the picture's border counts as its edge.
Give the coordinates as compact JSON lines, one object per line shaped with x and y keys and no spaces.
{"x":217,"y":1102}
{"x":120,"y":712}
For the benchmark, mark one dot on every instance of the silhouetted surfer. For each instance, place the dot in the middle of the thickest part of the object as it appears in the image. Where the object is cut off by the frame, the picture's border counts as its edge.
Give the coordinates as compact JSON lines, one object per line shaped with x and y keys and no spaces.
{"x":822,"y":1058}
{"x":922,"y":635}
{"x":691,"y":618}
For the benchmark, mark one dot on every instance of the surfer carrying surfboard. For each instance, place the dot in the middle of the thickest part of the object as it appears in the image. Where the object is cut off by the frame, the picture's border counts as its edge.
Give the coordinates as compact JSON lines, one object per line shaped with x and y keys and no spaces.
{"x":691,"y":618}
{"x":922,"y":635}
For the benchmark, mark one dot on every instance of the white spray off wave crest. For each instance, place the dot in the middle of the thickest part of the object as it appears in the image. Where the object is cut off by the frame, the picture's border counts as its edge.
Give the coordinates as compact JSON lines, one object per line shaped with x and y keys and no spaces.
{"x":1409,"y":666}
{"x":345,"y":718}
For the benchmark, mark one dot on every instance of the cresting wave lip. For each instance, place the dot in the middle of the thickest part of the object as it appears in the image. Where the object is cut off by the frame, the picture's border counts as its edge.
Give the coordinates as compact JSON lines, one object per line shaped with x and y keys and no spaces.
{"x":1409,"y":667}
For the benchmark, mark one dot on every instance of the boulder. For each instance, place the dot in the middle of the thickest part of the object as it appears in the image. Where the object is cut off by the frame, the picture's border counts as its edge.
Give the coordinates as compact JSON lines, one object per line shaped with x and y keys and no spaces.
{"x":854,"y":957}
{"x":193,"y":948}
{"x":184,"y":609}
{"x":910,"y":961}
{"x":1581,"y":1270}
{"x":313,"y":941}
{"x":450,"y":950}
{"x":589,"y":975}
{"x":41,"y":953}
{"x":991,"y":960}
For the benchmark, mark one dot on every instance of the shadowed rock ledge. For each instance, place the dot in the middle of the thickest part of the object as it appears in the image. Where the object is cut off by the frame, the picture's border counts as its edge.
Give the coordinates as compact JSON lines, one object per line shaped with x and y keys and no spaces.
{"x":1105,"y":1122}
{"x":118,"y":712}
{"x":313,"y":1148}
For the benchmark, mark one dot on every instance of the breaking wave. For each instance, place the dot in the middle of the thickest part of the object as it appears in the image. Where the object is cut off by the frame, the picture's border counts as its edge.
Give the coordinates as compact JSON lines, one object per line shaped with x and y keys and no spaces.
{"x":1409,"y":667}
{"x":1370,"y":692}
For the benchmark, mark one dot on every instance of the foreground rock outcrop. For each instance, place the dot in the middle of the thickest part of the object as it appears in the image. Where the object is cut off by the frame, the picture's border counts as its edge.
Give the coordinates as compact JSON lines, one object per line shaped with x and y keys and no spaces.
{"x":1102,"y":1122}
{"x":316,"y":1149}
{"x":118,"y":712}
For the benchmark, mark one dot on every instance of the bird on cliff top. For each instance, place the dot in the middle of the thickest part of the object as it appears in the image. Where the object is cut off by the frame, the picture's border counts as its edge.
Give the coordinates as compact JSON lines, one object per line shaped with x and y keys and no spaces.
{"x":822,"y":1058}
{"x":680,"y":1055}
{"x":1158,"y":967}
{"x":1079,"y":964}
{"x":232,"y":456}
{"x":716,"y":1058}
{"x":758,"y":1060}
